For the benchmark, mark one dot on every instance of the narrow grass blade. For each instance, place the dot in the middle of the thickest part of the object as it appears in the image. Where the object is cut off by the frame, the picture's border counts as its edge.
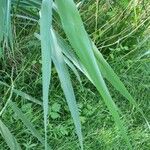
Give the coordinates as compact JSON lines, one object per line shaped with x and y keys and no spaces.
{"x":69,"y":53}
{"x":35,"y":3}
{"x":28,"y":97}
{"x":73,"y":68}
{"x":8,"y":100}
{"x":2,"y":19}
{"x":23,"y":95}
{"x":105,"y":68}
{"x":27,"y":123}
{"x":45,"y":26}
{"x":75,"y":31}
{"x":66,"y":85}
{"x":111,"y":76}
{"x":9,"y":138}
{"x":3,"y":6}
{"x":5,"y":24}
{"x":70,"y":58}
{"x":59,"y":61}
{"x":8,"y":24}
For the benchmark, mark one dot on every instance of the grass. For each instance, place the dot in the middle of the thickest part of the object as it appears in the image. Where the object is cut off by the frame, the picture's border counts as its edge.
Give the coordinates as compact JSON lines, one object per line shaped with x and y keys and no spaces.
{"x":129,"y":58}
{"x":46,"y":42}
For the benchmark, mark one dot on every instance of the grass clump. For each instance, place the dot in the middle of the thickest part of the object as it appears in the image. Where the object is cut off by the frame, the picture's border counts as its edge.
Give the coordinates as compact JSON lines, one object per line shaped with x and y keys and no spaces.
{"x":70,"y":60}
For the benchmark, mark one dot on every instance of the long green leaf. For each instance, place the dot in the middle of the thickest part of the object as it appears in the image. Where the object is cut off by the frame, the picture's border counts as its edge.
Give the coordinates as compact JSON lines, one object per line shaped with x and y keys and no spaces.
{"x":74,"y":29}
{"x":3,"y":6}
{"x":105,"y":68}
{"x":2,"y":18}
{"x":23,"y":95}
{"x":67,"y":51}
{"x":66,"y":85}
{"x":26,"y":122}
{"x":9,"y":138}
{"x":6,"y":38}
{"x":59,"y":61}
{"x":8,"y":24}
{"x":45,"y":26}
{"x":73,"y":68}
{"x":111,"y":76}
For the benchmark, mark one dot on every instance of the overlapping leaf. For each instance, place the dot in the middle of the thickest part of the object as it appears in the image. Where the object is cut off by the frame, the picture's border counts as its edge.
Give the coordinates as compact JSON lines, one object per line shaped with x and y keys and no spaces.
{"x":74,"y":29}
{"x":66,"y":85}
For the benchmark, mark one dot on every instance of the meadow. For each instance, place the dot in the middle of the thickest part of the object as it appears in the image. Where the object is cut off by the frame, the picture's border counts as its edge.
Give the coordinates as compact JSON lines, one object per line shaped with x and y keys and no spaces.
{"x":75,"y":74}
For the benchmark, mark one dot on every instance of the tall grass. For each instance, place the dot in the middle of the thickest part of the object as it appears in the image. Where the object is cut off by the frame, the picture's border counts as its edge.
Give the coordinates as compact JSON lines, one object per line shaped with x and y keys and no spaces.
{"x":46,"y":46}
{"x":81,"y":53}
{"x":5,"y":26}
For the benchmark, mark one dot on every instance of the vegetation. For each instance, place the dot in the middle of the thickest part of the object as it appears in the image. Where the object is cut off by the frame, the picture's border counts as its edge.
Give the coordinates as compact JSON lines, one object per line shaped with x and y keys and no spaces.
{"x":99,"y":65}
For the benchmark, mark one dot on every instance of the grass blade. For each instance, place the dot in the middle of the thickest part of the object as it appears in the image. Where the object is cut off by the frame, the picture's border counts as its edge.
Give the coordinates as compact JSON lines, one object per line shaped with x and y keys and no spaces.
{"x":9,"y":138}
{"x":67,"y":51}
{"x":74,"y":29}
{"x":26,"y":122}
{"x":59,"y":61}
{"x":8,"y":24}
{"x":23,"y":95}
{"x":28,"y":97}
{"x":6,"y":38}
{"x":3,"y":6}
{"x":73,"y":68}
{"x":45,"y":26}
{"x":106,"y":70}
{"x":66,"y":85}
{"x":111,"y":76}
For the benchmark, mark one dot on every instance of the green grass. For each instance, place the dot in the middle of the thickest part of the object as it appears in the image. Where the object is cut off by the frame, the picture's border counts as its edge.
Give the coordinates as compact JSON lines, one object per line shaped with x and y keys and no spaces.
{"x":123,"y":43}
